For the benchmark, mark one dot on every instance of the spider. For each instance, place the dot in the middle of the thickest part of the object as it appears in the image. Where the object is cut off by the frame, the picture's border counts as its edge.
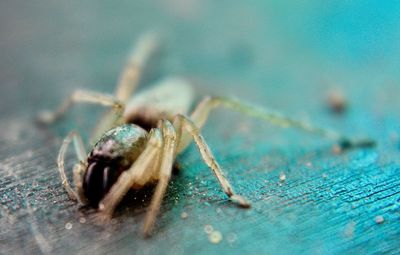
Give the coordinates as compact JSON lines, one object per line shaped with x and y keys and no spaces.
{"x":139,"y":137}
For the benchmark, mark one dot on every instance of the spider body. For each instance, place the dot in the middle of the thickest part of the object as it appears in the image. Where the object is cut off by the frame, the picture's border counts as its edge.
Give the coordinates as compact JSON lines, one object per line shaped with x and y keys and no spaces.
{"x":119,"y":147}
{"x":138,"y":139}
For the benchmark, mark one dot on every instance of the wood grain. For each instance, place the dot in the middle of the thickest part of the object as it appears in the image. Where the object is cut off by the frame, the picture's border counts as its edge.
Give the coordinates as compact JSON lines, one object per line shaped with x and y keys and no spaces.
{"x":328,"y":203}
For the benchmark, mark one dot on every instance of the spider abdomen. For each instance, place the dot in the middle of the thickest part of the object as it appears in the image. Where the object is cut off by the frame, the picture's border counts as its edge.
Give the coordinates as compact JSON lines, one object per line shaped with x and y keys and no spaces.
{"x":114,"y":153}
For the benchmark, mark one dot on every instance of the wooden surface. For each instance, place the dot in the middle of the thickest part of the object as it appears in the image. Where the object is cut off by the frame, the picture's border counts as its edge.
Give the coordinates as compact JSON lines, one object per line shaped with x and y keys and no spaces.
{"x":286,"y":56}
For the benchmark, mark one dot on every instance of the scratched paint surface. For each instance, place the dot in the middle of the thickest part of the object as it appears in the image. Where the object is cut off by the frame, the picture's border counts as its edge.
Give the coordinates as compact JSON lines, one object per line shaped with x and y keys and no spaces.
{"x":273,"y":53}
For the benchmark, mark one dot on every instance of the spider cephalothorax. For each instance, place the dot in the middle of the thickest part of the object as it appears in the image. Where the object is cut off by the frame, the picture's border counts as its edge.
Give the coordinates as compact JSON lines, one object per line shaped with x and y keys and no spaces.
{"x":114,"y":153}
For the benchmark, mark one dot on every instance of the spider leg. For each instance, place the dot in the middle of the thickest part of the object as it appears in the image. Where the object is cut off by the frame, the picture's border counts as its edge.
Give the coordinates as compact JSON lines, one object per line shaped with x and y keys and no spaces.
{"x":113,"y":118}
{"x":137,"y":174}
{"x":81,"y":154}
{"x":203,"y":109}
{"x":181,"y":122}
{"x":164,"y":176}
{"x":129,"y":80}
{"x":130,"y":76}
{"x":82,"y":96}
{"x":78,"y":172}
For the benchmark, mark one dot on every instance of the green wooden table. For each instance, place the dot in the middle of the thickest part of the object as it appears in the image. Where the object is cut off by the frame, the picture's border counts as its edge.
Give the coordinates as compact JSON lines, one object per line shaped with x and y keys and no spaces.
{"x":277,"y":53}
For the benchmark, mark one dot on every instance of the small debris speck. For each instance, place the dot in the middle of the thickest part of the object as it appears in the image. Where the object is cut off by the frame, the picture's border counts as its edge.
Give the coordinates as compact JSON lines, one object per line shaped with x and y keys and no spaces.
{"x":337,"y":102}
{"x":105,"y":236}
{"x":336,"y":149}
{"x":215,"y":237}
{"x":82,"y":220}
{"x":379,"y":219}
{"x":244,"y":127}
{"x":349,"y":229}
{"x":324,"y":176}
{"x":184,"y":215}
{"x":282,"y":177}
{"x":208,"y":229}
{"x":68,"y":225}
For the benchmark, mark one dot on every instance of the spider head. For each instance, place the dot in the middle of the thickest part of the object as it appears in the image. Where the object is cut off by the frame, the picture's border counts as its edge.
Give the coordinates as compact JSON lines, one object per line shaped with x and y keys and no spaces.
{"x":114,"y":153}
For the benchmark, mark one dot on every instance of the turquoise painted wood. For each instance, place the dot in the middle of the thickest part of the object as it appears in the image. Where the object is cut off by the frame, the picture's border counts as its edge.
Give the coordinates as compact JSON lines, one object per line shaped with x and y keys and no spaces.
{"x":280,"y":54}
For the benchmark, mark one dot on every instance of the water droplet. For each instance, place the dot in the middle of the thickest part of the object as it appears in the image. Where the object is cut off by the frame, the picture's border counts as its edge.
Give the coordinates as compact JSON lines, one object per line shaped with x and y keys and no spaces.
{"x":68,"y":225}
{"x":208,"y":229}
{"x":379,"y":219}
{"x":215,"y":237}
{"x":184,"y":215}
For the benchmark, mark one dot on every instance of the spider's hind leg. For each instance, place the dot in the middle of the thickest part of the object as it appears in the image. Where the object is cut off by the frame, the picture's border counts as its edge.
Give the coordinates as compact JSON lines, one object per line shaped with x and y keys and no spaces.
{"x":203,"y":109}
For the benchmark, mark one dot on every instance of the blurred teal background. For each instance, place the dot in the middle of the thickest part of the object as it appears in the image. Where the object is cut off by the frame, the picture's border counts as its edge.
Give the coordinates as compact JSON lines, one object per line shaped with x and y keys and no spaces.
{"x":283,"y":54}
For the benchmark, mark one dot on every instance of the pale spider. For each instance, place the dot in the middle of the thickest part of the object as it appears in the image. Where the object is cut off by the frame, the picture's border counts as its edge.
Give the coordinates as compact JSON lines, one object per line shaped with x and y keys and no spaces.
{"x":139,"y":139}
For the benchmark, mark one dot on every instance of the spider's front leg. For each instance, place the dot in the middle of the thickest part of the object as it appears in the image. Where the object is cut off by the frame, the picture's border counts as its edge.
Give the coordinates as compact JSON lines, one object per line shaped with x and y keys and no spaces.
{"x":137,"y":174}
{"x":77,"y":171}
{"x":164,"y":175}
{"x":183,"y":123}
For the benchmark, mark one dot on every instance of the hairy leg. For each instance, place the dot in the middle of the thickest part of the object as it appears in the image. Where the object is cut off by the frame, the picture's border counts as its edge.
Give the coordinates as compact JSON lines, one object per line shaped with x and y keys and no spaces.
{"x":145,"y":47}
{"x":81,"y":154}
{"x":129,"y":80}
{"x":130,"y":76}
{"x":82,"y":96}
{"x":182,"y":123}
{"x":134,"y":175}
{"x":167,"y":161}
{"x":78,"y":172}
{"x":203,"y":109}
